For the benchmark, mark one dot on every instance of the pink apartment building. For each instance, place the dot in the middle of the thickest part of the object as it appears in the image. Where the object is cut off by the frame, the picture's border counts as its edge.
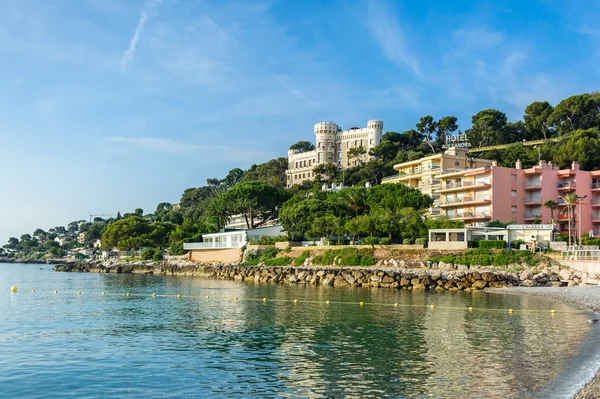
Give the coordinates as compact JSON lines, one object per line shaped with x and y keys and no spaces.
{"x":483,"y":193}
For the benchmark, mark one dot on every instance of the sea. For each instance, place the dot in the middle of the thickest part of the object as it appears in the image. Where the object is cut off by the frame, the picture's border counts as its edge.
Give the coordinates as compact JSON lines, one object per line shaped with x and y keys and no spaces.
{"x":86,"y":335}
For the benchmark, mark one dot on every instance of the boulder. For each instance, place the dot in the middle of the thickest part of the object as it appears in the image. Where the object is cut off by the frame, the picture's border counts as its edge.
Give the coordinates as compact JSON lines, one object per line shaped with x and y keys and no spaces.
{"x":530,"y":283}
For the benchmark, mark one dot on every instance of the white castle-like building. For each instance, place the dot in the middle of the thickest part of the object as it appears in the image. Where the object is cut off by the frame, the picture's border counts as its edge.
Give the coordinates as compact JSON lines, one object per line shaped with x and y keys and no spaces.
{"x":332,"y":146}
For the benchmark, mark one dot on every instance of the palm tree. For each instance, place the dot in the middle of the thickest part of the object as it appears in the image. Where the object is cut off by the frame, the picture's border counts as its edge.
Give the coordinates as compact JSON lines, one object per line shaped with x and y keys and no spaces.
{"x":219,"y":209}
{"x":552,"y":205}
{"x":356,"y":199}
{"x":571,"y":200}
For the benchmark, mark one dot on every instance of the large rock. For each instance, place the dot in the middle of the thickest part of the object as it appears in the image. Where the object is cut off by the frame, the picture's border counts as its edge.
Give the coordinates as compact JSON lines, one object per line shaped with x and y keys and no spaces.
{"x":479,"y":284}
{"x":530,"y":283}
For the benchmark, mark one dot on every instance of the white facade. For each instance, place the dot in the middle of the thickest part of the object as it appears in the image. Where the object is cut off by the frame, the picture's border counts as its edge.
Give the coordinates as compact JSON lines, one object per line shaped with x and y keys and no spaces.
{"x":235,"y":238}
{"x":332,"y":146}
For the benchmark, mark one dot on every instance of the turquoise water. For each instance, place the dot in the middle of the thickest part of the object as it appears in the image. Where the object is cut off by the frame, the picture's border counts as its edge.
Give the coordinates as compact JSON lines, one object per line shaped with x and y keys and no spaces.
{"x":139,"y":346}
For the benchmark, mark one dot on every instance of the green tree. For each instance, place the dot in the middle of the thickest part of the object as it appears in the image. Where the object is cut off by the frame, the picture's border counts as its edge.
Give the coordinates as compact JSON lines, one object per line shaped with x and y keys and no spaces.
{"x":129,"y":233}
{"x":552,"y":205}
{"x":582,"y":146}
{"x":218,"y":208}
{"x":427,"y":128}
{"x":256,"y":201}
{"x":302,"y":146}
{"x":297,"y":215}
{"x":233,"y":177}
{"x":487,"y":128}
{"x":325,"y":226}
{"x":357,"y":154}
{"x":536,"y":119}
{"x":579,"y":112}
{"x":445,"y":126}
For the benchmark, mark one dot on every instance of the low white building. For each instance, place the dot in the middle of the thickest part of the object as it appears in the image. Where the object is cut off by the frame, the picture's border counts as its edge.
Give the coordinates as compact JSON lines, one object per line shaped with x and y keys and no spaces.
{"x":226,"y":246}
{"x":533,"y":235}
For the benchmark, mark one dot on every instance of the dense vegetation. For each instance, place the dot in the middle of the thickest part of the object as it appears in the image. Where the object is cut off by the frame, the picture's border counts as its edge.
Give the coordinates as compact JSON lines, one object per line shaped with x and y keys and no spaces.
{"x":386,"y":213}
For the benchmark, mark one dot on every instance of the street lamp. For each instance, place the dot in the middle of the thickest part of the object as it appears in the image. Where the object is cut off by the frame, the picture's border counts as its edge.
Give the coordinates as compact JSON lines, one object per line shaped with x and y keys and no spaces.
{"x":579,"y":199}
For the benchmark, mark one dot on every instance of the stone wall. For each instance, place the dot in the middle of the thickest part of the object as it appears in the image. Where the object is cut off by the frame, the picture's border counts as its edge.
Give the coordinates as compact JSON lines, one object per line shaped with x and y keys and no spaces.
{"x":391,"y":278}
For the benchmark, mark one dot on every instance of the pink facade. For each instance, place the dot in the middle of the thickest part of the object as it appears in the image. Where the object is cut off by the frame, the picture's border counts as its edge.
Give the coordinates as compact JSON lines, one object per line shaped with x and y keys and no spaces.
{"x":518,"y":195}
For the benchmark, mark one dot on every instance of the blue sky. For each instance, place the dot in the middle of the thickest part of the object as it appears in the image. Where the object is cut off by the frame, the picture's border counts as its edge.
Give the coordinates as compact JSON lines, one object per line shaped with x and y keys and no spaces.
{"x":109,"y":105}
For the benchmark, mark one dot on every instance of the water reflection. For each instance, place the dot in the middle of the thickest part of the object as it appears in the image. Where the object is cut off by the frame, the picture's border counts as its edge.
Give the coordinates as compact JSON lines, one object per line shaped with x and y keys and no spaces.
{"x":217,"y":346}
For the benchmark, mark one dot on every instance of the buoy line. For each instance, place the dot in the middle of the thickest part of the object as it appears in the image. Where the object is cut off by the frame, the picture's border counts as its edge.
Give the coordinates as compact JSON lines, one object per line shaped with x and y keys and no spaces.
{"x":14,"y":289}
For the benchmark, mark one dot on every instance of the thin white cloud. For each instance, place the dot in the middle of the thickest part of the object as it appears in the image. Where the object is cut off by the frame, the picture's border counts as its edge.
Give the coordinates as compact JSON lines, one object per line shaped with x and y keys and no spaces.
{"x":129,"y":54}
{"x":386,"y":31}
{"x":480,"y":38}
{"x":154,"y":144}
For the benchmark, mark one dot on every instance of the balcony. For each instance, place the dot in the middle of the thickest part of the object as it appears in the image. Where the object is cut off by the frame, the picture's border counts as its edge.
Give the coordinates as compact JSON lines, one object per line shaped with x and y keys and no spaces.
{"x":532,"y":216}
{"x":533,"y":185}
{"x":563,"y":216}
{"x":595,"y":203}
{"x":595,"y":186}
{"x":533,"y":201}
{"x":458,"y":186}
{"x":567,"y":186}
{"x":477,"y":216}
{"x":450,"y":202}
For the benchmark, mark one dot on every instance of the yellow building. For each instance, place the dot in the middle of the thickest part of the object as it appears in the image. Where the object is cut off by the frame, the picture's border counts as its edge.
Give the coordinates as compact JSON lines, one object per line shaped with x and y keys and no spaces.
{"x":426,"y":174}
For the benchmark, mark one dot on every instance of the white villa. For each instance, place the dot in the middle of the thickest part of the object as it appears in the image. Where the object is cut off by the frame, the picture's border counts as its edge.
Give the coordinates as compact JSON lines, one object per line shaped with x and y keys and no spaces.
{"x":226,"y":246}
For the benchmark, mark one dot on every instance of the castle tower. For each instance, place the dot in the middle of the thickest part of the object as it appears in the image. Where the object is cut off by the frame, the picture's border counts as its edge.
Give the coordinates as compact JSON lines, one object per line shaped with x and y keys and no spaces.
{"x":325,"y":136}
{"x":375,"y":128}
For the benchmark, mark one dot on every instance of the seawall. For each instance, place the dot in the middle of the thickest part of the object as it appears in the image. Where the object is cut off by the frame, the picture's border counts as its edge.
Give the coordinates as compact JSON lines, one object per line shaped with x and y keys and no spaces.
{"x":377,"y":277}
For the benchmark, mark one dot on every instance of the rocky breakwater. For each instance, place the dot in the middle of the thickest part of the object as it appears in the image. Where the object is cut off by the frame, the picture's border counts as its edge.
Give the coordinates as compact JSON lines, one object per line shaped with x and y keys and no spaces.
{"x":395,"y":278}
{"x":409,"y":279}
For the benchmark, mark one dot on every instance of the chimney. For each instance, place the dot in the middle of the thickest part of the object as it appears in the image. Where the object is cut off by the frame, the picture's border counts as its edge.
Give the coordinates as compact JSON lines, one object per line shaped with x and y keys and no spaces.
{"x":575,"y":165}
{"x":518,"y":164}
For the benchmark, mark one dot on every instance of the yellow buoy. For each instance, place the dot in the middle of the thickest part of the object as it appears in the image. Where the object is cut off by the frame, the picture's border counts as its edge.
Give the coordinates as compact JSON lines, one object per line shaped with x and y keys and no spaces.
{"x":361,"y":303}
{"x":470,"y":308}
{"x":264,"y":299}
{"x":102,"y":293}
{"x":178,"y":295}
{"x":32,"y":290}
{"x":207,"y":296}
{"x":56,"y":291}
{"x":553,"y":311}
{"x":327,"y":302}
{"x":432,"y":306}
{"x":235,"y":298}
{"x":127,"y":294}
{"x":510,"y":310}
{"x":78,"y":292}
{"x":395,"y":305}
{"x":153,"y":295}
{"x":14,"y":288}
{"x":295,"y":301}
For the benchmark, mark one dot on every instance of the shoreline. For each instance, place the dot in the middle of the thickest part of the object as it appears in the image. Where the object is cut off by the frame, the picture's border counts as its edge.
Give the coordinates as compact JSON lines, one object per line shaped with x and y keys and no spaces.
{"x":586,"y":298}
{"x":577,"y":296}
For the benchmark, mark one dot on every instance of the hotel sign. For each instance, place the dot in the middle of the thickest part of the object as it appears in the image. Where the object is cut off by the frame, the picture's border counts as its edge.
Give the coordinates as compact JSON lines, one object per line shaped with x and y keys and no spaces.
{"x":456,"y":140}
{"x":530,"y":226}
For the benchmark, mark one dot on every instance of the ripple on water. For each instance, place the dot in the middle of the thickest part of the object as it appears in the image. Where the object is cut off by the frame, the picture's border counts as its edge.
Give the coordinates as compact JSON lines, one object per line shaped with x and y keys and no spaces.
{"x":115,"y":346}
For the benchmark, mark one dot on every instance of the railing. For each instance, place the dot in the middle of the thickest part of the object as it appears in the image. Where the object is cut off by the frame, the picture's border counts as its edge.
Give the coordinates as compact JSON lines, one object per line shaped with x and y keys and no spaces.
{"x":595,"y":185}
{"x":209,"y":245}
{"x":450,"y":201}
{"x":567,"y":185}
{"x":391,"y":177}
{"x":537,"y":183}
{"x":477,"y":215}
{"x":575,"y":253}
{"x":533,"y":199}
{"x":452,"y":170}
{"x":532,"y":216}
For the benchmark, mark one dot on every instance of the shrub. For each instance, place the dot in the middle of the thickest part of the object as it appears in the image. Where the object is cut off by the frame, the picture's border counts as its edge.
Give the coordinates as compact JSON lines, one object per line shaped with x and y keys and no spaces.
{"x":384,"y":241}
{"x":283,"y":261}
{"x":516,"y":244}
{"x":367,"y":260}
{"x":269,"y":240}
{"x":158,"y":255}
{"x":473,"y":244}
{"x":594,"y":241}
{"x":253,"y":259}
{"x":344,"y":257}
{"x":407,"y":241}
{"x":421,"y":241}
{"x":177,"y":248}
{"x":299,"y":261}
{"x":562,"y":237}
{"x":489,"y":244}
{"x":370,"y":241}
{"x":147,"y":254}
